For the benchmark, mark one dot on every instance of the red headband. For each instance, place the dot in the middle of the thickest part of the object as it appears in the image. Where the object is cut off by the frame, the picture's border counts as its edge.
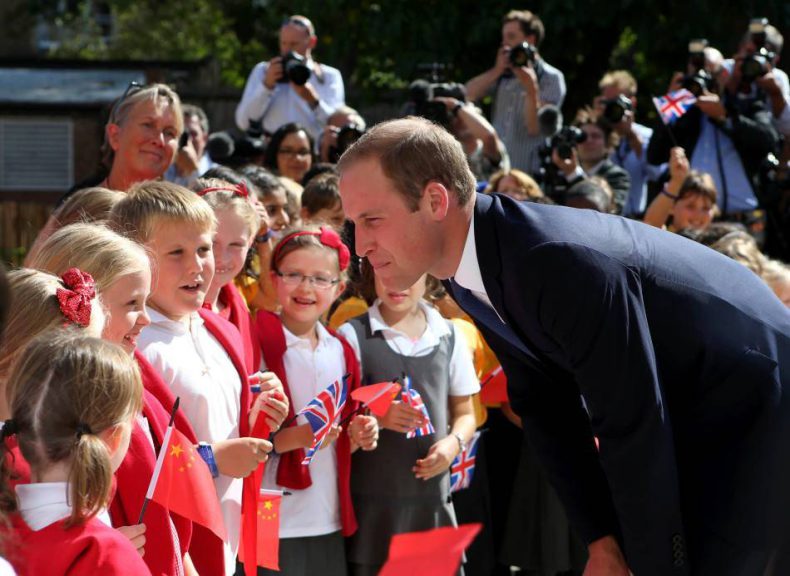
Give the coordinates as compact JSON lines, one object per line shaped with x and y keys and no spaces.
{"x":328,"y":237}
{"x":237,"y":189}
{"x":75,"y":298}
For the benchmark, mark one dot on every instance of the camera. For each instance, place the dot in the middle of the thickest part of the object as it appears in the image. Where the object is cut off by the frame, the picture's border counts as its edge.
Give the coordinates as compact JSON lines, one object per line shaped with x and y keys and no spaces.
{"x":295,"y":69}
{"x":698,"y":82}
{"x":421,"y":97}
{"x":566,"y":140}
{"x":756,"y":65}
{"x":346,"y":136}
{"x":614,"y":110}
{"x":183,"y":140}
{"x":522,"y":54}
{"x":697,"y":54}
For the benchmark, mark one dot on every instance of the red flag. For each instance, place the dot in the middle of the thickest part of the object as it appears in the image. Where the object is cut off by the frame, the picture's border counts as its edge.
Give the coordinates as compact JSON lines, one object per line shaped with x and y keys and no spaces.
{"x":182,"y":483}
{"x":493,"y":388}
{"x":267,"y":519}
{"x":434,"y":552}
{"x":377,"y":397}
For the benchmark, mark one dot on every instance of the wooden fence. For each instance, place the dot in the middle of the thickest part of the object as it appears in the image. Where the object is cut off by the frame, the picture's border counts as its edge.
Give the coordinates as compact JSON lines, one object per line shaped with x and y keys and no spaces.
{"x":20,"y":223}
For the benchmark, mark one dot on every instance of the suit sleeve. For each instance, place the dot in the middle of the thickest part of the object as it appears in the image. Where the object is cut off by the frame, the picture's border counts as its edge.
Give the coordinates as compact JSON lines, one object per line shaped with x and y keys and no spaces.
{"x":590,"y":306}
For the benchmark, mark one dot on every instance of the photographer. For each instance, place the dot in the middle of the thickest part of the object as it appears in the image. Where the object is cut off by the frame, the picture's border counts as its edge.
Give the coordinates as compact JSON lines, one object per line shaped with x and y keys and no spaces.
{"x":754,"y":73}
{"x":291,"y":87}
{"x":343,"y":128}
{"x":727,"y":139}
{"x":616,"y":105}
{"x":191,"y":160}
{"x":521,"y":82}
{"x":582,"y":151}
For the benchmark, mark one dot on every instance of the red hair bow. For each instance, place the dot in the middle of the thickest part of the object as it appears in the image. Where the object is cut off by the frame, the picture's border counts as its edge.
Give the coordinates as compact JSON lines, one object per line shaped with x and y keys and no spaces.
{"x":328,"y":237}
{"x":75,"y":298}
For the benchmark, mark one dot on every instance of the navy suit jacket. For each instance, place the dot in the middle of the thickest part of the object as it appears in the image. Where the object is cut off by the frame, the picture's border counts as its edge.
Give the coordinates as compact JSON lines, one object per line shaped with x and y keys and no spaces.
{"x":673,"y":355}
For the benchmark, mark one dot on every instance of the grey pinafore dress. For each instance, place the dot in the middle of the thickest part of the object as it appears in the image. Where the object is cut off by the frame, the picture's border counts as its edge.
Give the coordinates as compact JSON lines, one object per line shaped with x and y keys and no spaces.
{"x":387,"y":498}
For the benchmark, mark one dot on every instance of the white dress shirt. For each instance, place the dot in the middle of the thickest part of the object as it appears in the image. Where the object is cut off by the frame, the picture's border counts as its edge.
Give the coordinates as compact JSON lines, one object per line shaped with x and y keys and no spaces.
{"x":313,"y":511}
{"x":199,"y":371}
{"x":463,"y":380}
{"x":282,"y":105}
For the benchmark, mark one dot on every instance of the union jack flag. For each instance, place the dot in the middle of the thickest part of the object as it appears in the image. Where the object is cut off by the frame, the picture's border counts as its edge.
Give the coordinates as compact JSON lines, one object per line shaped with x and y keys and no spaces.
{"x":321,"y":412}
{"x":673,"y":105}
{"x":464,"y":466}
{"x":411,"y":397}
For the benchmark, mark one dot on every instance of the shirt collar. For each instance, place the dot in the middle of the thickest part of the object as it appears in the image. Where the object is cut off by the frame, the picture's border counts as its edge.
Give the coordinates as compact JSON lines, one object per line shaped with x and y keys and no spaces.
{"x":468,"y":273}
{"x":44,"y":503}
{"x":434,"y":320}
{"x":174,"y":327}
{"x":292,"y":340}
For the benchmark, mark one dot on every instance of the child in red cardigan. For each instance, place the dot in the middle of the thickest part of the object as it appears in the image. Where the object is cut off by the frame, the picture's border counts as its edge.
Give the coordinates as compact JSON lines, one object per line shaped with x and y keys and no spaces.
{"x":73,"y":400}
{"x":307,"y":267}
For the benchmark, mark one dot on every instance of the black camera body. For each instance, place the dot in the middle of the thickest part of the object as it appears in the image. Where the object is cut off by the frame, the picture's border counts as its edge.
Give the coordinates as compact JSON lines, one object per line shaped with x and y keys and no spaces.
{"x":422,"y":94}
{"x":295,"y":69}
{"x":522,"y":54}
{"x":566,"y":140}
{"x":615,"y":109}
{"x":346,"y":136}
{"x":698,"y":82}
{"x":756,"y":65}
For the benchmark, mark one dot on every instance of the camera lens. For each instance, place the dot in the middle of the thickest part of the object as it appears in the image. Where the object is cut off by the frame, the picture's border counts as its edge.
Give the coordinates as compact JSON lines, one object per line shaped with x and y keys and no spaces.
{"x":521,"y":54}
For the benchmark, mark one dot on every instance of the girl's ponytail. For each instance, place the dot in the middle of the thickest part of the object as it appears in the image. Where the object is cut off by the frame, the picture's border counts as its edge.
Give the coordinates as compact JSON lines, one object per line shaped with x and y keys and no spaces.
{"x":91,"y":476}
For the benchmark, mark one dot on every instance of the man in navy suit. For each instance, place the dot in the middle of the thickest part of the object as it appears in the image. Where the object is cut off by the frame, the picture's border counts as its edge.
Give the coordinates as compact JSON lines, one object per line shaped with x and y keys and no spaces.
{"x":674,"y":357}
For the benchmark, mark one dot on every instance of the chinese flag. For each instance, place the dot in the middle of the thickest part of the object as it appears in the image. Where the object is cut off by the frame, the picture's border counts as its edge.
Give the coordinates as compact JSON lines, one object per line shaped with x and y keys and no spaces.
{"x":434,"y":552}
{"x":268,"y":523}
{"x":377,"y":397}
{"x":183,"y":484}
{"x":493,"y":388}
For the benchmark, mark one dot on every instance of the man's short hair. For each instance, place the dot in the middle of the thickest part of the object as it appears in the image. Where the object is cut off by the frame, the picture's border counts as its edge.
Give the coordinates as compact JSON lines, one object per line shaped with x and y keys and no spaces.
{"x":413,"y":152}
{"x":151,"y":202}
{"x":530,"y":24}
{"x":587,"y":116}
{"x":322,"y":192}
{"x":774,"y":38}
{"x":622,"y":79}
{"x":192,"y":110}
{"x":301,"y":21}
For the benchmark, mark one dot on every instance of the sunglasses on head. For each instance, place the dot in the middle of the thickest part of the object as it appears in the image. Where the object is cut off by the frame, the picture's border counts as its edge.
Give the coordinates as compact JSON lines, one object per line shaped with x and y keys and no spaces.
{"x":133,"y":87}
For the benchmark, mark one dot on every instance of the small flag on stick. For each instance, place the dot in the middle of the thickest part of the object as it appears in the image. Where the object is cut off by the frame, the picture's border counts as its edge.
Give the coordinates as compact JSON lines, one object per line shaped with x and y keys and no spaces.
{"x":411,"y":397}
{"x":377,"y":397}
{"x":493,"y":388}
{"x":321,"y":413}
{"x":463,"y":467}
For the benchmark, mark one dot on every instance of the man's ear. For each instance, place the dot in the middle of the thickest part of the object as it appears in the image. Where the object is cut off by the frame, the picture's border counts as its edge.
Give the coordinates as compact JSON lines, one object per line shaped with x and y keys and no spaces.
{"x":313,"y":41}
{"x":437,"y":198}
{"x":113,"y":136}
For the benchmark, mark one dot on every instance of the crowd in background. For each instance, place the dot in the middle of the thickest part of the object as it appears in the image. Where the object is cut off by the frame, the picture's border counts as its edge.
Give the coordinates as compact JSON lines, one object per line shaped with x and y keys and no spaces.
{"x":285,"y":297}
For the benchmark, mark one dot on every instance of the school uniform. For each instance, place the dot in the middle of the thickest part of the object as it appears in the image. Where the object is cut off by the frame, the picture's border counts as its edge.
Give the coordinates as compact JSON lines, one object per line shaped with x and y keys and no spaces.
{"x":387,"y":497}
{"x":43,"y":546}
{"x":318,"y":511}
{"x":237,"y":313}
{"x":199,"y":362}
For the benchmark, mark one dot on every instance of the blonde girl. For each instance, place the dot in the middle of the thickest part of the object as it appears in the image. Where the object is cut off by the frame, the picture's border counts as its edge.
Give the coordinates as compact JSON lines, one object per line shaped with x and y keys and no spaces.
{"x":72,"y":400}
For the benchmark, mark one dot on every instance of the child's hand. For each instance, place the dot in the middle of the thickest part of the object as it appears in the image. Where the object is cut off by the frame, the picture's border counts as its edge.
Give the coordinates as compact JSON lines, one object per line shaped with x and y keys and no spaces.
{"x":364,"y":431}
{"x":331,"y":436}
{"x":272,"y":400}
{"x":402,"y":418}
{"x":136,"y":535}
{"x":439,"y":458}
{"x":240,"y":456}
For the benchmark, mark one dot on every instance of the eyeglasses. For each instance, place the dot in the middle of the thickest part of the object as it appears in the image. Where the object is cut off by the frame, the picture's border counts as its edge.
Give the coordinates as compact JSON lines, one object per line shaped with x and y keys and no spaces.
{"x":295,"y":279}
{"x":289,"y":152}
{"x":132,"y":87}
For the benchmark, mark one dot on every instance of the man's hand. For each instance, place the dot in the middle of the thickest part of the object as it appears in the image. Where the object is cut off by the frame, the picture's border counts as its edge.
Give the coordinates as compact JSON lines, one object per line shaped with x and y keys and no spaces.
{"x":364,"y":431}
{"x":328,"y":141}
{"x":711,"y":106}
{"x":187,"y":161}
{"x":502,"y":61}
{"x":402,"y":418}
{"x":567,"y":166}
{"x":307,"y":93}
{"x":136,"y":535}
{"x":439,"y":458}
{"x":240,"y":456}
{"x":528,"y":78}
{"x":273,"y":73}
{"x":606,"y":559}
{"x":676,"y":83}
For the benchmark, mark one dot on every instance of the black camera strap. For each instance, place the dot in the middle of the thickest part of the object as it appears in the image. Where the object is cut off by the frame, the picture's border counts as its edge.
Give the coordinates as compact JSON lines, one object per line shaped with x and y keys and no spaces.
{"x":722,"y":176}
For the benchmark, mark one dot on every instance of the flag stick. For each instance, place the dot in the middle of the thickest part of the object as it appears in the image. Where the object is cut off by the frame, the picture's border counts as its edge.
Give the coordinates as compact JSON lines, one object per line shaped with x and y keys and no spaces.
{"x":159,"y":461}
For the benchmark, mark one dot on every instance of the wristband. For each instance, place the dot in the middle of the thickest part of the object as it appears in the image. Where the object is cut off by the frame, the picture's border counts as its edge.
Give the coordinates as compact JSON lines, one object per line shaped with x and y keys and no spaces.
{"x":461,"y":443}
{"x":666,"y":193}
{"x":263,"y":238}
{"x":207,"y":453}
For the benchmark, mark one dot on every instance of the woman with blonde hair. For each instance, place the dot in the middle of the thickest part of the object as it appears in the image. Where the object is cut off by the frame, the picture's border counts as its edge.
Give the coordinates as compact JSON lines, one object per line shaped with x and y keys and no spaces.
{"x":514,"y":183}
